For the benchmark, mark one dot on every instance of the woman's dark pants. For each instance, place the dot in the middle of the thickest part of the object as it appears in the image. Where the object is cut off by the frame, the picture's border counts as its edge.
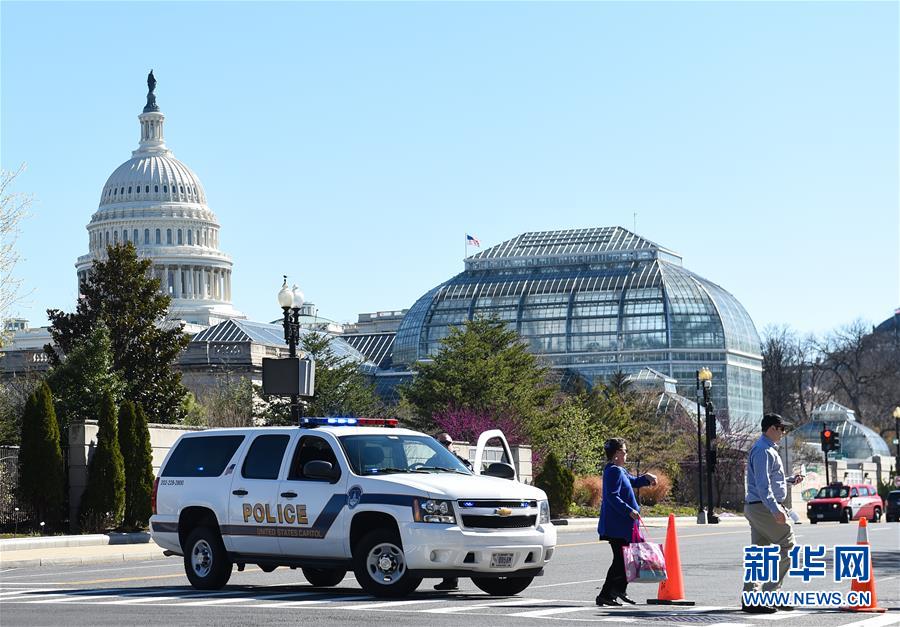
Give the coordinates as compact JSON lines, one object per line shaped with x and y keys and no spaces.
{"x":616,"y":583}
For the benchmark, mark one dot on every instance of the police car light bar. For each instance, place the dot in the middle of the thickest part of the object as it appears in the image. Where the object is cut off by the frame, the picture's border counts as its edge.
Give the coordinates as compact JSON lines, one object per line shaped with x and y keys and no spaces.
{"x":341,"y":421}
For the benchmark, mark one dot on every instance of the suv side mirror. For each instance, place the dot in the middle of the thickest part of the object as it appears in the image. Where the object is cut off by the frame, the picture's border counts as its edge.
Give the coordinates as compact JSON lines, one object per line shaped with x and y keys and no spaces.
{"x":501,"y":470}
{"x":318,"y":469}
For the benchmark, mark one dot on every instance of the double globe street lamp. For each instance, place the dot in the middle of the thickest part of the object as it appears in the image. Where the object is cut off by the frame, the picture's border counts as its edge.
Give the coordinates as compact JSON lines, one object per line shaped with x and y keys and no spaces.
{"x":291,"y":300}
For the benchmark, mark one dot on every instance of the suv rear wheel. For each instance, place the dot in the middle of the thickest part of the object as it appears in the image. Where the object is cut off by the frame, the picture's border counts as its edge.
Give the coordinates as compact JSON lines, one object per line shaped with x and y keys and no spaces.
{"x":876,"y":516}
{"x":380,"y":565}
{"x":502,"y":586}
{"x":206,"y":562}
{"x":846,"y":515}
{"x":324,"y":577}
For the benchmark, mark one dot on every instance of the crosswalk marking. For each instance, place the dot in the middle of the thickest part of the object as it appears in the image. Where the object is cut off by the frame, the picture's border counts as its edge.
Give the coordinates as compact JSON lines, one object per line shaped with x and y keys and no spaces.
{"x":389,"y":604}
{"x":480,"y":606}
{"x":883,"y":620}
{"x":782,"y":615}
{"x":312,"y":601}
{"x":549,"y":612}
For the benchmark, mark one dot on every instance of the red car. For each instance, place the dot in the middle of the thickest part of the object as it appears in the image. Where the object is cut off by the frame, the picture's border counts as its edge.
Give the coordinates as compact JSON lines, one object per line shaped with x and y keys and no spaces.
{"x":845,"y":503}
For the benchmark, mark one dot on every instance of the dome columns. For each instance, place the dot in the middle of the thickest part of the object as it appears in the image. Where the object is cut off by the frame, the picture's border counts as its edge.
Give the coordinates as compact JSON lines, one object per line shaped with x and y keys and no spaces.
{"x":195,"y":282}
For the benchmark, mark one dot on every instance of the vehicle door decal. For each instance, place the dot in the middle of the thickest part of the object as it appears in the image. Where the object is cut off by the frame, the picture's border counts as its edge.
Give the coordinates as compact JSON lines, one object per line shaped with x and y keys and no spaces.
{"x":324,"y":520}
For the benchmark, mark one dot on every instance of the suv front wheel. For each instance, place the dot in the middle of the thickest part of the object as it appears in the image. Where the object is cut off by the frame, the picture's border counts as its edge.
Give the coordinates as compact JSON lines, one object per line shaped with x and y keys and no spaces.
{"x":206,"y":562}
{"x":380,"y":565}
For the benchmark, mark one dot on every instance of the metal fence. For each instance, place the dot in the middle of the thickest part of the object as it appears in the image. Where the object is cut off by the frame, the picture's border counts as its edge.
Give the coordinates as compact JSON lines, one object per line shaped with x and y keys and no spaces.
{"x":12,"y":513}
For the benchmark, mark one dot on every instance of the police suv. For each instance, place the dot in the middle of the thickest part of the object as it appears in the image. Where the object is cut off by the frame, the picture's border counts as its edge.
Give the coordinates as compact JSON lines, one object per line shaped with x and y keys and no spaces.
{"x":338,"y":494}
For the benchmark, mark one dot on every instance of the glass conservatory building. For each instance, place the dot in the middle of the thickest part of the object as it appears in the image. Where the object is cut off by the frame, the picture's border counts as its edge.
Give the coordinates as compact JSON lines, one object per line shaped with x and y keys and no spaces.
{"x":594,"y":301}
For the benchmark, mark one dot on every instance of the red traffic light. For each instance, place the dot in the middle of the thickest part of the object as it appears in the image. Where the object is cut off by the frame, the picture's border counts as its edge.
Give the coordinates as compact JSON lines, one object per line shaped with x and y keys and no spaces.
{"x":826,"y":433}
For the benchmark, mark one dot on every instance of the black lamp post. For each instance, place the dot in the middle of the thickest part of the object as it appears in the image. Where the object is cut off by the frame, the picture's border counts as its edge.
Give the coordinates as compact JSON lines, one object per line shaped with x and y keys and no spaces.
{"x":291,"y":300}
{"x":701,"y":513}
{"x":897,"y":440}
{"x":710,"y":415}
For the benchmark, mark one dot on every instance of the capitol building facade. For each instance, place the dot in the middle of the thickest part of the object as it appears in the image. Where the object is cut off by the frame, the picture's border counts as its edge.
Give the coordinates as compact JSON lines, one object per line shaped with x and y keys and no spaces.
{"x":157,"y":203}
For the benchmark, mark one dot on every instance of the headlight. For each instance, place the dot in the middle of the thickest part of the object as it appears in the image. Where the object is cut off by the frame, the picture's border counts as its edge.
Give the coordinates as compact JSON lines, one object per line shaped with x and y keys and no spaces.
{"x":834,"y":505}
{"x":433,"y":511}
{"x":544,"y":518}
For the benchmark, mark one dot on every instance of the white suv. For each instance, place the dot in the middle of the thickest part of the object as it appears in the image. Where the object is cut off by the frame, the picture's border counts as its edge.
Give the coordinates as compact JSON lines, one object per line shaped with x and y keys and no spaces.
{"x":337,"y":494}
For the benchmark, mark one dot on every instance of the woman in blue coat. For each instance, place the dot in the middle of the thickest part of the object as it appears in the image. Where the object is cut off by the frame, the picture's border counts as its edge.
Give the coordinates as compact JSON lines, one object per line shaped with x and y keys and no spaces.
{"x":619,"y":510}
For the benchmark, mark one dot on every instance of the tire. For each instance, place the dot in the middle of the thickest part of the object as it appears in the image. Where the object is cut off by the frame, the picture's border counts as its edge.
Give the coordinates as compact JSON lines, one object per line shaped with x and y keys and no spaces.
{"x":379,"y":564}
{"x":812,"y":521}
{"x":876,"y":515}
{"x":324,"y":577}
{"x":502,"y":586}
{"x":267,"y":568}
{"x":846,"y":516}
{"x":206,"y":562}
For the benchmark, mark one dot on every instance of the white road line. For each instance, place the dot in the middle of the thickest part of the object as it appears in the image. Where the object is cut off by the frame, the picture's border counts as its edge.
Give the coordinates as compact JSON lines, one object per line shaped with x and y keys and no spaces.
{"x":566,"y":583}
{"x":70,"y":598}
{"x":731,"y":625}
{"x":102,"y":570}
{"x":879,"y":621}
{"x":9,"y":593}
{"x":480,"y":606}
{"x":38,"y":599}
{"x":310,"y":602}
{"x":215,"y":602}
{"x":389,"y":604}
{"x":617,"y":619}
{"x":782,"y":615}
{"x":135,"y":600}
{"x":549,"y":612}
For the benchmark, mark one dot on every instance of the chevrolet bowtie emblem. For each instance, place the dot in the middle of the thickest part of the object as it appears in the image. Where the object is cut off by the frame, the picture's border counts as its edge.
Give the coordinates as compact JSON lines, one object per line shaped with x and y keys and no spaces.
{"x":502,"y":511}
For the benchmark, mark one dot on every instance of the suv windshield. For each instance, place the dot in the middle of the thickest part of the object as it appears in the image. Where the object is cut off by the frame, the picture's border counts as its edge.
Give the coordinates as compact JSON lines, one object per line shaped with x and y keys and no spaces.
{"x":375,"y":454}
{"x":833,"y":492}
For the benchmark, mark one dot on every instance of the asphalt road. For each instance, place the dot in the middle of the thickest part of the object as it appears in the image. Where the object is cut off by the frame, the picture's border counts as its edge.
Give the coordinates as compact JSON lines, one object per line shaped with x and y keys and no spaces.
{"x":156,"y":592}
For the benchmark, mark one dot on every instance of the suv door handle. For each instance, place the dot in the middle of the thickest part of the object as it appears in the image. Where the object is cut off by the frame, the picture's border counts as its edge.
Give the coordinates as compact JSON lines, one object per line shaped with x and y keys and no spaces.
{"x":239,"y":492}
{"x":289,"y":495}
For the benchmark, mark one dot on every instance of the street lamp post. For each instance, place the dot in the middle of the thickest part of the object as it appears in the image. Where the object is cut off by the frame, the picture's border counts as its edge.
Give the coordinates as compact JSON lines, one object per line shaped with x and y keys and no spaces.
{"x":291,"y":300}
{"x":897,"y":440}
{"x":701,"y":513}
{"x":710,"y":415}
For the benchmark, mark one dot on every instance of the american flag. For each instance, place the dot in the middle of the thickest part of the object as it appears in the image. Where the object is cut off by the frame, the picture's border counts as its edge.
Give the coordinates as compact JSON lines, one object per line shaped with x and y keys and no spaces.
{"x":471,"y":240}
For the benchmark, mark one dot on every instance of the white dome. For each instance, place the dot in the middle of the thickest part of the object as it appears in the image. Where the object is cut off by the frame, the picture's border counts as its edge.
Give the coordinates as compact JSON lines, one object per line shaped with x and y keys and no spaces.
{"x":159,"y":177}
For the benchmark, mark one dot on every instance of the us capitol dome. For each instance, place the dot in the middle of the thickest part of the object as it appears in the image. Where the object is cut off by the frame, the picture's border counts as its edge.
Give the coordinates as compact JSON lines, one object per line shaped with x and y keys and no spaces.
{"x":157,"y":202}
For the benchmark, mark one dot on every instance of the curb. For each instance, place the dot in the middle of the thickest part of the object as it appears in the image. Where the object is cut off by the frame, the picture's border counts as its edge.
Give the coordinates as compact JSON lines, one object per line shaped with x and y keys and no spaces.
{"x":82,"y":561}
{"x":55,"y":542}
{"x":580,"y":524}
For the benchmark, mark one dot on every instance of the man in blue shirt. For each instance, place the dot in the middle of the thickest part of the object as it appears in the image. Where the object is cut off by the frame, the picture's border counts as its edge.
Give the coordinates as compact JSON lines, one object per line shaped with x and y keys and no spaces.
{"x":769,"y":521}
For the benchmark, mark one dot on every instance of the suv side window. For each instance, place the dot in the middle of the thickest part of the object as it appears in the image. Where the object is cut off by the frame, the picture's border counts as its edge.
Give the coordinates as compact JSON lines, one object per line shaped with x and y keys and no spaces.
{"x":264,"y":457}
{"x":202,"y":456}
{"x":311,"y":448}
{"x":853,"y":492}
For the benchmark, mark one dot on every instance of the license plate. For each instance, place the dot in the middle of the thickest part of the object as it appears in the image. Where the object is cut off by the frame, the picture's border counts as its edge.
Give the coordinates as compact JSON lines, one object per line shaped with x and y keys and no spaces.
{"x":501,"y":560}
{"x":820,"y":515}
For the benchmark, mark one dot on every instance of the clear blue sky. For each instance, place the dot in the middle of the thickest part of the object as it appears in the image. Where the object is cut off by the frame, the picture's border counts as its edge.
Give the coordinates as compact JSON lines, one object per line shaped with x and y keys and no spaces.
{"x":352,"y":145}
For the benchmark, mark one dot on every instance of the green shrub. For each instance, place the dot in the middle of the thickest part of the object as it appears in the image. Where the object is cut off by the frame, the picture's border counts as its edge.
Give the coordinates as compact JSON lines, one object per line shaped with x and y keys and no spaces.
{"x":558,"y":482}
{"x":103,"y":502}
{"x":41,"y":471}
{"x":656,"y":494}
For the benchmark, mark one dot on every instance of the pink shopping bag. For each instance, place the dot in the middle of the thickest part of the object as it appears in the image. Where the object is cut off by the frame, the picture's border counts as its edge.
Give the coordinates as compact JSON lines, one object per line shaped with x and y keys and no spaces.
{"x":644,"y":561}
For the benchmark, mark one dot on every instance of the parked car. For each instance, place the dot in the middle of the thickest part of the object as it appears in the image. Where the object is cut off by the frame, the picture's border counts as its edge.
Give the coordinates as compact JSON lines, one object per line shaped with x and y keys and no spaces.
{"x":892,"y":506}
{"x":845,"y":503}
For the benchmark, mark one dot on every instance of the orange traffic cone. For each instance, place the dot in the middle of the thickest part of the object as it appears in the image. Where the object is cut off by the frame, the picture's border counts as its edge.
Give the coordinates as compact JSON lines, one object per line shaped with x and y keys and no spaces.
{"x":671,"y":591}
{"x":862,"y":537}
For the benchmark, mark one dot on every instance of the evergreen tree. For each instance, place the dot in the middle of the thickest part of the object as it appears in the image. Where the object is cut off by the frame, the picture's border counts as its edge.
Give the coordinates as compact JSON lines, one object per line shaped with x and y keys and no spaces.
{"x":559,"y":484}
{"x":137,"y":454}
{"x":103,"y":501}
{"x":122,"y":293}
{"x":83,"y":378}
{"x":41,"y":470}
{"x":483,"y":366}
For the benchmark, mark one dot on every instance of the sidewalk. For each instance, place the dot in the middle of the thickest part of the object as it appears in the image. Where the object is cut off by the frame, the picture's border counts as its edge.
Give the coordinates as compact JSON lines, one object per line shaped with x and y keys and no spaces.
{"x":78,"y":550}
